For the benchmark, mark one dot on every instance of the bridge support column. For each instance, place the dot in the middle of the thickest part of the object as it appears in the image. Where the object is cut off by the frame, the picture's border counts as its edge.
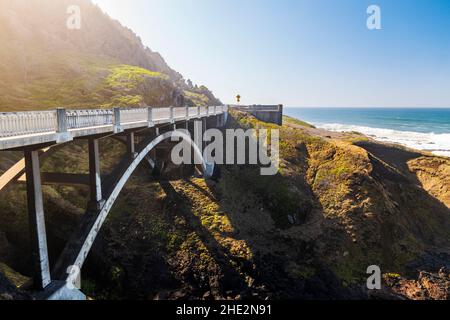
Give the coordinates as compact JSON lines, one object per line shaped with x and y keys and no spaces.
{"x":190,"y":126}
{"x":62,"y":126}
{"x":204,"y":128}
{"x":131,"y":151}
{"x":117,"y":123}
{"x":198,"y":138}
{"x":95,"y":181}
{"x":39,"y":250}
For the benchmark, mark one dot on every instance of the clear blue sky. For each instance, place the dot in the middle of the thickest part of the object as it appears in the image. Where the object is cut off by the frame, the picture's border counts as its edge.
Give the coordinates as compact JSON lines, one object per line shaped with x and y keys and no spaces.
{"x":301,"y":52}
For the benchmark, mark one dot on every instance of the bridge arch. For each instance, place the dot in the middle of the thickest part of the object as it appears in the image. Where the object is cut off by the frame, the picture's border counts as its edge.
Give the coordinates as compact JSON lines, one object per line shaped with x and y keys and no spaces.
{"x":75,"y":255}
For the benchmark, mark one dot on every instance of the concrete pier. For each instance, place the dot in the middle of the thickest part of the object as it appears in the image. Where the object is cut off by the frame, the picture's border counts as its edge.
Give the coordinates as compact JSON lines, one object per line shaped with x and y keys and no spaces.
{"x":95,"y":180}
{"x":39,"y":251}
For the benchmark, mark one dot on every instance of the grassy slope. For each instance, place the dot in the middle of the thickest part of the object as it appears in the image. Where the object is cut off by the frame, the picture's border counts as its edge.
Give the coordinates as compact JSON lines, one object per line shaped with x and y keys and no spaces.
{"x":83,"y":81}
{"x":297,"y":122}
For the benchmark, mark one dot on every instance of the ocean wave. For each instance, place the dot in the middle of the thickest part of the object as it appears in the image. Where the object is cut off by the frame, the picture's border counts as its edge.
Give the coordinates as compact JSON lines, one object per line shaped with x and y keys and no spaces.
{"x":437,"y":143}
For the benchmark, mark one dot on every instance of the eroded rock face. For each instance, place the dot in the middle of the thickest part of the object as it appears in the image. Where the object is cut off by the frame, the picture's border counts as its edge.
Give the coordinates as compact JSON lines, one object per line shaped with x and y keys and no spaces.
{"x":434,"y":175}
{"x":429,"y":286}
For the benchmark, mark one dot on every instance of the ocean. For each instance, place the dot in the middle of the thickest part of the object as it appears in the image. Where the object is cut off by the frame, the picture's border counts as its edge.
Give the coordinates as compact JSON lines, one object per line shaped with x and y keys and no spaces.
{"x":423,"y":129}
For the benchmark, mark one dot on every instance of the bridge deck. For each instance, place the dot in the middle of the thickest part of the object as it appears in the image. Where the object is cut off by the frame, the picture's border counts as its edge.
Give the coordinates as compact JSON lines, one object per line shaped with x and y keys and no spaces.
{"x":21,"y":129}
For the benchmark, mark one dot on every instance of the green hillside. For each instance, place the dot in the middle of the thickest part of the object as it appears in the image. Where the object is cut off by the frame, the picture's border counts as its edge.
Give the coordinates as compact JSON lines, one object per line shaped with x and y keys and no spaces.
{"x":44,"y":65}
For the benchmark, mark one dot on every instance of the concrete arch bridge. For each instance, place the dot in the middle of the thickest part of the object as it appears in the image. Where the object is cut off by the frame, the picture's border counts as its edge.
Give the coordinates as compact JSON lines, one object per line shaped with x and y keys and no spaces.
{"x":40,"y":133}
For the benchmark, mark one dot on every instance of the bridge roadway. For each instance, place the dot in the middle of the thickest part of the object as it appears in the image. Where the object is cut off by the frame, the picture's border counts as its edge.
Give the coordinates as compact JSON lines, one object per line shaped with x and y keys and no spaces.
{"x":39,"y":133}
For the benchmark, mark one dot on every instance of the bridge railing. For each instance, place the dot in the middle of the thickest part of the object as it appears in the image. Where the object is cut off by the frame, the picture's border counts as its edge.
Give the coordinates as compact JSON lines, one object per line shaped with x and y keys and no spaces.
{"x":77,"y":119}
{"x":193,"y":111}
{"x":23,"y":123}
{"x":268,"y":108}
{"x":159,"y":114}
{"x":61,"y":121}
{"x":179,"y":113}
{"x":266,"y":113}
{"x":130,"y":115}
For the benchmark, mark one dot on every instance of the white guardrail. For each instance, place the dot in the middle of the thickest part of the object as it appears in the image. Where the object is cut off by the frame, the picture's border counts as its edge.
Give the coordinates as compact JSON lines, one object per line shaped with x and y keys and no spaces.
{"x":23,"y":123}
{"x":14,"y":124}
{"x":88,"y":118}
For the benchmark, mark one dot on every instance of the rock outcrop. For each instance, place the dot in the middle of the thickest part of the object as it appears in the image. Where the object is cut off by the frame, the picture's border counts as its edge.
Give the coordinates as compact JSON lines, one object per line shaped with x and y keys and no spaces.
{"x":429,"y":286}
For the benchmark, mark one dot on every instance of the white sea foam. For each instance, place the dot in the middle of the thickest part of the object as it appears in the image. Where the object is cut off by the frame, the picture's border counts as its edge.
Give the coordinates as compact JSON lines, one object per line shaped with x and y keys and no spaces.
{"x":438,"y":144}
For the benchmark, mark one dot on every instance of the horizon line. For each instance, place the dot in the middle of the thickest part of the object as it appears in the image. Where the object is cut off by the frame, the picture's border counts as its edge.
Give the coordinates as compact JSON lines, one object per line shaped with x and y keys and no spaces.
{"x":369,"y":107}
